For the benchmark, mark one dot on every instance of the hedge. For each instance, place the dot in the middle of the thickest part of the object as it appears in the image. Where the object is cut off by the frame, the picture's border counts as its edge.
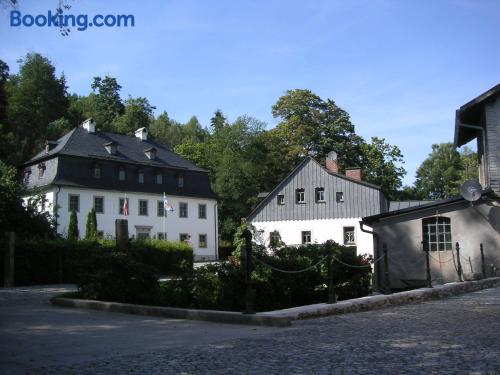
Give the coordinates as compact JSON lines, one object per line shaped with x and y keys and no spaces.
{"x":61,"y":260}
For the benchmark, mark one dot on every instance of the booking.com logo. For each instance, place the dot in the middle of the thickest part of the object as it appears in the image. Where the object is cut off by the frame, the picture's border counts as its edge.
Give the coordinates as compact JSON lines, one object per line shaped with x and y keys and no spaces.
{"x":81,"y":21}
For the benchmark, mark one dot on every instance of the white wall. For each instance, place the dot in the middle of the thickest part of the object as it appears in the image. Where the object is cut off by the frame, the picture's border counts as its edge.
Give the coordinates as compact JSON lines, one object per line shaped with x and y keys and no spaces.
{"x":321,"y":231}
{"x":174,"y":225}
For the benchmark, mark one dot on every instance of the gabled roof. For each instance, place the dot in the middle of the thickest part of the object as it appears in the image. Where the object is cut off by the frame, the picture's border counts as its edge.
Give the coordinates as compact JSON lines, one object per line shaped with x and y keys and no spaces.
{"x":79,"y":142}
{"x":471,"y":114}
{"x":293,"y":172}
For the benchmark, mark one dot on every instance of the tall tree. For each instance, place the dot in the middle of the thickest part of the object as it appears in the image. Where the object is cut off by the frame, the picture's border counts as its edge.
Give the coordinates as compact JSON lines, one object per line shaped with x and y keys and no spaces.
{"x":137,"y":114}
{"x":107,"y":102}
{"x":73,"y":232}
{"x":382,"y":165}
{"x":4,"y":75}
{"x":91,"y":225}
{"x":440,"y":175}
{"x":36,"y":97}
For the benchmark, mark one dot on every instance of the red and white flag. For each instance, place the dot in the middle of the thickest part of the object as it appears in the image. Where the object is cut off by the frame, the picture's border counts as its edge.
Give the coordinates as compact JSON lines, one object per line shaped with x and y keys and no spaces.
{"x":125,"y":206}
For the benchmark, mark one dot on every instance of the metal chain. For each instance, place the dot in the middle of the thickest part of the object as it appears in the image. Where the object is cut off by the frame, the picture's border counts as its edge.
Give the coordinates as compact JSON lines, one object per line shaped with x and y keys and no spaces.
{"x":441,"y":261}
{"x":353,"y":266}
{"x":286,"y":271}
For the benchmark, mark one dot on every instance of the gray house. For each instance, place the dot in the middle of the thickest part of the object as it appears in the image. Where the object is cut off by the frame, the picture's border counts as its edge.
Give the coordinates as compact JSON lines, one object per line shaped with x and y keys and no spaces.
{"x":314,"y":204}
{"x":440,"y":225}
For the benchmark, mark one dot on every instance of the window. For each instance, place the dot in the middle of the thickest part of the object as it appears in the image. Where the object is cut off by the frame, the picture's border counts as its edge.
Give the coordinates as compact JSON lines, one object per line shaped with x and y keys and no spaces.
{"x":99,"y":205}
{"x":143,"y":233}
{"x":180,"y":180}
{"x":162,"y":235}
{"x":41,"y":170}
{"x":183,"y":209}
{"x":281,"y":199}
{"x":143,"y":207}
{"x":300,"y":196}
{"x":159,"y":178}
{"x":140,"y":177}
{"x":349,"y":238}
{"x":123,"y":209}
{"x":184,"y":237}
{"x":202,"y":241}
{"x":74,"y":203}
{"x":339,"y":197}
{"x":437,"y":233}
{"x":97,"y":171}
{"x":160,"y":208}
{"x":306,"y":237}
{"x":121,"y":174}
{"x":320,"y":194}
{"x":202,"y":211}
{"x":27,"y":175}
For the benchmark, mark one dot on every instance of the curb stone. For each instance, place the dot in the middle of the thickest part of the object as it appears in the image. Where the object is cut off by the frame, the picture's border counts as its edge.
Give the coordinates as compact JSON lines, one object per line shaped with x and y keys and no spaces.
{"x":283,"y":318}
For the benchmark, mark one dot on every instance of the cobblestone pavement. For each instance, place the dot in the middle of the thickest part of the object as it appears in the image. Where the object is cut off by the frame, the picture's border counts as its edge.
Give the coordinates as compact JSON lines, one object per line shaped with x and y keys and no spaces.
{"x":458,"y":335}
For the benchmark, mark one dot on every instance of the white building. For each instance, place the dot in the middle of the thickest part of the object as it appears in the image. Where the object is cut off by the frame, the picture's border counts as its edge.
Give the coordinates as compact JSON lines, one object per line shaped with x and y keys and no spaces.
{"x":86,"y":168}
{"x":315,"y":204}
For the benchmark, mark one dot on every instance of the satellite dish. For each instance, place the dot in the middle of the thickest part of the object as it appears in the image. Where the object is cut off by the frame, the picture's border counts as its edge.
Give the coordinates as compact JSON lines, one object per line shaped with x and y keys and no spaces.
{"x":332,"y":155}
{"x":471,"y":190}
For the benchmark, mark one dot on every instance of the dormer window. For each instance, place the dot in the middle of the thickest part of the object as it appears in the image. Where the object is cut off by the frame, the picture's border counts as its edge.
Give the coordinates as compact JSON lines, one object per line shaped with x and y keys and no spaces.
{"x":150,"y":153}
{"x":41,"y":170}
{"x":110,"y":148}
{"x":140,"y":176}
{"x":159,"y":178}
{"x":180,"y":180}
{"x":121,"y":174}
{"x":97,"y":171}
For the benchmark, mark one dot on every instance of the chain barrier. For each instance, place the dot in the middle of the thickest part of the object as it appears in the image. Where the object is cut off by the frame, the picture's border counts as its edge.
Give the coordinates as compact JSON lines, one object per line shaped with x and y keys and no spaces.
{"x":441,"y":261}
{"x":287,"y":271}
{"x":353,"y":266}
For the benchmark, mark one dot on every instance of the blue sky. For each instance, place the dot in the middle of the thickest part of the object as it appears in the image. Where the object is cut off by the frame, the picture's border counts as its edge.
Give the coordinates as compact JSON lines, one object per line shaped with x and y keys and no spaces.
{"x":400,"y":68}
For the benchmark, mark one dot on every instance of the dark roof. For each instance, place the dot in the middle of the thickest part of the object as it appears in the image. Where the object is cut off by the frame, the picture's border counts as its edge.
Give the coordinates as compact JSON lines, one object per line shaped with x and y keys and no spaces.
{"x":471,"y":113}
{"x":439,"y":203}
{"x":285,"y":180}
{"x":399,"y":205}
{"x":79,"y":142}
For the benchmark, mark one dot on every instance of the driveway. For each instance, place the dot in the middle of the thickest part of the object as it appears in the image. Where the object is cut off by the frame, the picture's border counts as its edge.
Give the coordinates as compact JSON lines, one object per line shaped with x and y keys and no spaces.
{"x":455,"y":335}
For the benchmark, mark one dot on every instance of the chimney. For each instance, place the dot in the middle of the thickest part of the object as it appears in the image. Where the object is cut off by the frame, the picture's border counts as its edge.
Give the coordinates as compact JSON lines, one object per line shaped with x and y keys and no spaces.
{"x":142,"y":134}
{"x":331,"y":163}
{"x":354,"y":173}
{"x":89,"y":125}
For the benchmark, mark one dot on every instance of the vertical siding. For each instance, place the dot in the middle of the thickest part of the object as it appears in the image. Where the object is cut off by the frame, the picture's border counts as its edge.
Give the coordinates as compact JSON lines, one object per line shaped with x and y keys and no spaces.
{"x":492,"y":112}
{"x":359,"y":200}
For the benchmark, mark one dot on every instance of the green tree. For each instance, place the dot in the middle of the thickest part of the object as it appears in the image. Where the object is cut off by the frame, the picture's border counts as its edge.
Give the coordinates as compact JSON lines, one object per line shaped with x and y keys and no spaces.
{"x":73,"y":233}
{"x":91,"y":225}
{"x":470,"y":168}
{"x":440,"y":175}
{"x":138,"y":113}
{"x":311,"y":126}
{"x":107,"y":102}
{"x":381,"y":165}
{"x":4,"y":75}
{"x":36,"y":97}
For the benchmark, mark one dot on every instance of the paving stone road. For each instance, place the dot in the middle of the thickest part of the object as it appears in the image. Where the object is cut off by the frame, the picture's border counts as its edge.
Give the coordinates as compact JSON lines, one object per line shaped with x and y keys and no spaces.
{"x":458,"y":335}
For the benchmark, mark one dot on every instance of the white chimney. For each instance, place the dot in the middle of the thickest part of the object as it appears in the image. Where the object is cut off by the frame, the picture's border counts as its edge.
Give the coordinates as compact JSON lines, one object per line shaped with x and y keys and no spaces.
{"x":142,"y":134}
{"x":89,"y":125}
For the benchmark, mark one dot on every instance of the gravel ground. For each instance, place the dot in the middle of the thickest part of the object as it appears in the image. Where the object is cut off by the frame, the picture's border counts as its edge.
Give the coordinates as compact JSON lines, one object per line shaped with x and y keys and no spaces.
{"x":458,"y":335}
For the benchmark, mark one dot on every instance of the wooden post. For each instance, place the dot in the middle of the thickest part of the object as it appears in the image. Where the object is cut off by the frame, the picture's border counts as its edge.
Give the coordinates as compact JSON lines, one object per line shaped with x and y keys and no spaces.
{"x":483,"y":266}
{"x":387,"y":280}
{"x":121,"y":230}
{"x":9,"y":259}
{"x":459,"y":265}
{"x":249,"y":292}
{"x":427,"y":264}
{"x":332,"y":296}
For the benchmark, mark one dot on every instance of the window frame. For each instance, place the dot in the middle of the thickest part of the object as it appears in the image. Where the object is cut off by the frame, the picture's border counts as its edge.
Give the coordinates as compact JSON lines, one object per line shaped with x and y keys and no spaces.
{"x":97,"y":172}
{"x":160,"y":207}
{"x":316,"y":192}
{"x":300,"y":193}
{"x":140,"y":176}
{"x":304,"y":233}
{"x":102,"y":204}
{"x":77,"y":196}
{"x":200,"y":216}
{"x":349,"y":230}
{"x":181,"y":206}
{"x":442,"y":227}
{"x":205,"y":245}
{"x":159,"y":178}
{"x":140,"y":209}
{"x":180,"y":180}
{"x":186,"y":235}
{"x":339,"y":197}
{"x":280,"y":199}
{"x":122,"y":174}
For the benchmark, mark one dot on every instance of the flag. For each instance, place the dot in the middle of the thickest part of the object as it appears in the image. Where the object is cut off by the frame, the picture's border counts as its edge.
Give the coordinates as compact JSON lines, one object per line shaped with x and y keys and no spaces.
{"x":125,"y":207}
{"x":166,"y":206}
